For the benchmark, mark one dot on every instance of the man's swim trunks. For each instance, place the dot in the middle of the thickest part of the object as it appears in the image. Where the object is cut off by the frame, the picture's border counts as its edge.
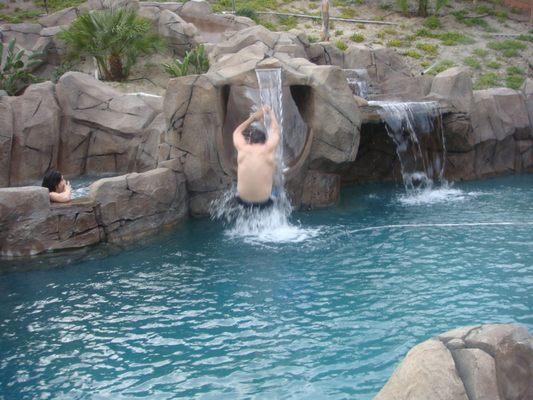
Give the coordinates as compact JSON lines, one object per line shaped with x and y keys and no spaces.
{"x":252,"y":205}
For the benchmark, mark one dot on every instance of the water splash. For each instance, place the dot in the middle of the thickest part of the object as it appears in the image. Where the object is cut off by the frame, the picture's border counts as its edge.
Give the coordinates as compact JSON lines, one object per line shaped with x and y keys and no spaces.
{"x":358,"y":80}
{"x":272,"y":224}
{"x":416,"y":130}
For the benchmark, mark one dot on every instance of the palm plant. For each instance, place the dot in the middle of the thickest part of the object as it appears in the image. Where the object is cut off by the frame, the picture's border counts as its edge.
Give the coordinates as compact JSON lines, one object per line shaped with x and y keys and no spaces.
{"x":114,"y":37}
{"x":15,"y":74}
{"x":195,"y":62}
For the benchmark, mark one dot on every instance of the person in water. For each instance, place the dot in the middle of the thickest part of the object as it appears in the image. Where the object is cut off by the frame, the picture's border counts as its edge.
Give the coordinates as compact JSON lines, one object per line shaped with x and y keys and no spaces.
{"x":256,"y":160}
{"x":58,"y":188}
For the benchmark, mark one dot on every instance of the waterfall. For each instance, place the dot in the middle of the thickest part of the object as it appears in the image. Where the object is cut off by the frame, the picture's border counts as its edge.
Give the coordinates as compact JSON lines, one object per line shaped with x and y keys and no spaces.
{"x":416,"y":130}
{"x":271,"y":224}
{"x":358,"y":80}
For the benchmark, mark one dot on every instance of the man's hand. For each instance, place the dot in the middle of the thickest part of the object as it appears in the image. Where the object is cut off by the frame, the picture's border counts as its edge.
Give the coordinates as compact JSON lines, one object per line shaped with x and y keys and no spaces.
{"x":258,"y":115}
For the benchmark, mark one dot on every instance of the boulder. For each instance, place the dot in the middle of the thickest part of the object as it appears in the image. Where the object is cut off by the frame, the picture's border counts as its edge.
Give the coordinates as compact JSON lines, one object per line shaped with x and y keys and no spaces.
{"x":427,"y":372}
{"x":102,"y":127}
{"x":320,"y":190}
{"x":181,"y":35}
{"x":36,"y":122}
{"x":455,"y":87}
{"x":26,"y":34}
{"x":135,"y":205}
{"x":196,"y":9}
{"x":493,"y":362}
{"x":6,"y":139}
{"x":202,"y":112}
{"x":60,"y":18}
{"x":498,"y":113}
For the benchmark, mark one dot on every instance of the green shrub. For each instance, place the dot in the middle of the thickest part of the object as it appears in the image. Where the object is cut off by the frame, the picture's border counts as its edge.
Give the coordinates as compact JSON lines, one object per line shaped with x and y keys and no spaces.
{"x":194,"y":62}
{"x":269,"y":25}
{"x":441,"y":66}
{"x":15,"y":74}
{"x":56,"y":5}
{"x":472,"y":62}
{"x":61,"y":69}
{"x":488,"y":80}
{"x":482,"y":53}
{"x":515,"y":71}
{"x":508,"y":47}
{"x":424,"y":32}
{"x":357,"y":37}
{"x":341,"y":45}
{"x":288,"y":22}
{"x":432,"y":22}
{"x":348,"y":13}
{"x":430,"y":49}
{"x":247,"y":12}
{"x":395,"y":43}
{"x":413,"y":54}
{"x":514,"y":81}
{"x":525,"y":38}
{"x":114,"y":37}
{"x":454,"y":38}
{"x":494,"y":65}
{"x":19,"y":16}
{"x":404,"y":6}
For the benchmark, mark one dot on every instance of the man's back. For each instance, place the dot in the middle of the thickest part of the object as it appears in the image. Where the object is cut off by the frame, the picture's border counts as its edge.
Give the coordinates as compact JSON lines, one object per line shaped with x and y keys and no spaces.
{"x":255,"y":172}
{"x":256,"y":159}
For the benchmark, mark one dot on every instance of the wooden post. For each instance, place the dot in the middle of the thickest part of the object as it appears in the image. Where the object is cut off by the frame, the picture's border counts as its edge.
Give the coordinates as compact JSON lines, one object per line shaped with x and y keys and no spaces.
{"x":325,"y":20}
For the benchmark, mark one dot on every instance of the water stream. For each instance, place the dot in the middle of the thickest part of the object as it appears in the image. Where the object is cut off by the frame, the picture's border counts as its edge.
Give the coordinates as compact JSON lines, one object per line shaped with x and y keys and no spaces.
{"x":272,"y":224}
{"x":416,"y":130}
{"x":358,"y":80}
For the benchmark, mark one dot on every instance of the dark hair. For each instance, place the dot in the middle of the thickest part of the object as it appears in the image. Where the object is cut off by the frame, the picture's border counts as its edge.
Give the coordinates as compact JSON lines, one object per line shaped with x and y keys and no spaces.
{"x":256,"y":136}
{"x":51,"y":180}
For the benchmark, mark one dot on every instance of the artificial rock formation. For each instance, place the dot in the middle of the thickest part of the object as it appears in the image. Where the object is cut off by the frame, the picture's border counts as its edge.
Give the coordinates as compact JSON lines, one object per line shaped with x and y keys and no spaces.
{"x":489,"y":362}
{"x":195,"y":111}
{"x":118,"y":210}
{"x":102,"y":128}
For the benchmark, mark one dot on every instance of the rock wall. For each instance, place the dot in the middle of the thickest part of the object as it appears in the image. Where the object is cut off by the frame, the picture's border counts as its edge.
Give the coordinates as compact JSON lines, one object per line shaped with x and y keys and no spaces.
{"x":487,"y":133}
{"x":490,"y":362}
{"x":118,"y":210}
{"x":195,"y":108}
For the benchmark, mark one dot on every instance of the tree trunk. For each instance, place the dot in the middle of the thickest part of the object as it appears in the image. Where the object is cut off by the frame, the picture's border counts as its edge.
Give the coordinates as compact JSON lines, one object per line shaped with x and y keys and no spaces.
{"x":422,"y":8}
{"x":115,"y":67}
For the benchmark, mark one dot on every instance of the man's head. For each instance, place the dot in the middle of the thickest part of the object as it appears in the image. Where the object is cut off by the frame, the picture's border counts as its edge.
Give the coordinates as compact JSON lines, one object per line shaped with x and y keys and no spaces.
{"x":256,"y":136}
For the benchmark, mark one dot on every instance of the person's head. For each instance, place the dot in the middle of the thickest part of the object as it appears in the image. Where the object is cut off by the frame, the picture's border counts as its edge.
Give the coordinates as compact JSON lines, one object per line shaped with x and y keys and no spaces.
{"x":256,"y":136}
{"x":53,"y":181}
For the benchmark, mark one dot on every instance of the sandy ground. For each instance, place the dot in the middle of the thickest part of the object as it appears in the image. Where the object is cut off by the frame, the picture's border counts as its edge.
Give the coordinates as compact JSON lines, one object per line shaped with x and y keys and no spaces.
{"x":149,"y":76}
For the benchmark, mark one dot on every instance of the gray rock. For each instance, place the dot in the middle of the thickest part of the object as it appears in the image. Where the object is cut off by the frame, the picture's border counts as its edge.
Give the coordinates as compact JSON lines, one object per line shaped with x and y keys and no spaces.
{"x":320,"y":190}
{"x":427,"y":372}
{"x":477,"y":370}
{"x":181,"y":35}
{"x":496,"y":362}
{"x":36,"y":121}
{"x":455,"y":86}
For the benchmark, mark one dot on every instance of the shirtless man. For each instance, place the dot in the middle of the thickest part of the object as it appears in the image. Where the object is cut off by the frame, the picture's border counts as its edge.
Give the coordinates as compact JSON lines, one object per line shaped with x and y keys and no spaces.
{"x":255,"y":159}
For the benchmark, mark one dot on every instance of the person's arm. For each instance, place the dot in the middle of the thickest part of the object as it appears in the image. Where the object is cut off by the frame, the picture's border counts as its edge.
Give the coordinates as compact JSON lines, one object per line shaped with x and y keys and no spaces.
{"x":273,"y":135}
{"x":64,"y":197}
{"x":238,"y":138}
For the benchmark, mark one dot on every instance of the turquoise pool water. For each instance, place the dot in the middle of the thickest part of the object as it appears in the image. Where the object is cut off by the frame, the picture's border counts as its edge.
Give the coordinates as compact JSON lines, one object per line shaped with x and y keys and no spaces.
{"x":324,"y":310}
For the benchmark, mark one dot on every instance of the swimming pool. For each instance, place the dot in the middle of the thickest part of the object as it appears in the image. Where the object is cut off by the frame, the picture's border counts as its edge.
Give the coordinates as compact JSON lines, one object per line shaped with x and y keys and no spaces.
{"x":325,"y":308}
